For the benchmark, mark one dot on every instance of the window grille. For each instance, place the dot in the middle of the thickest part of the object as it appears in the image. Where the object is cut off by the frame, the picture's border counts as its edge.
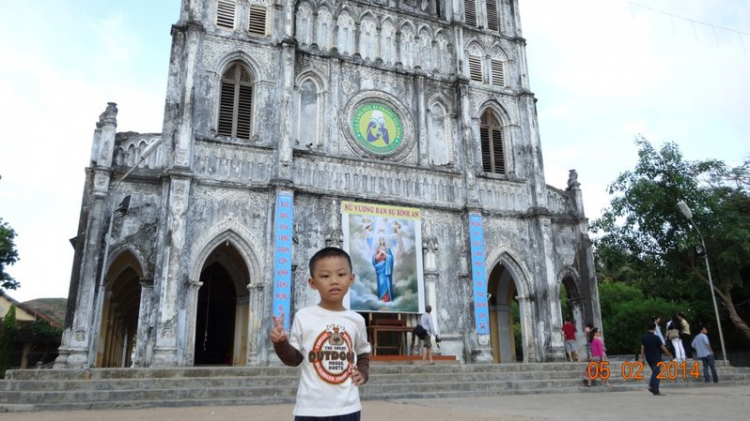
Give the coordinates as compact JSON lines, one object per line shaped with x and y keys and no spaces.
{"x":498,"y":73}
{"x":225,"y":13}
{"x":475,"y":68}
{"x":236,"y":102}
{"x":257,"y":24}
{"x":492,"y":22}
{"x":491,"y":137}
{"x":470,"y":11}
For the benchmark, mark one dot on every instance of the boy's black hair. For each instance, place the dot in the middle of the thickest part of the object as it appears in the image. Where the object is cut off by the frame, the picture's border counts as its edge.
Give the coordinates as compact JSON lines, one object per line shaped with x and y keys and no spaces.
{"x":329,"y":252}
{"x":651,"y":325}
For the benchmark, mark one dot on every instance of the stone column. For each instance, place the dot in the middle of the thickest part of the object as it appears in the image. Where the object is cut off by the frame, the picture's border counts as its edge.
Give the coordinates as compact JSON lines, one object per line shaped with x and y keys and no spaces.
{"x":424,"y":157}
{"x":284,"y":151}
{"x":76,"y":347}
{"x":255,"y":322}
{"x":526,"y":313}
{"x":144,"y":328}
{"x":174,"y":272}
{"x":192,"y":336}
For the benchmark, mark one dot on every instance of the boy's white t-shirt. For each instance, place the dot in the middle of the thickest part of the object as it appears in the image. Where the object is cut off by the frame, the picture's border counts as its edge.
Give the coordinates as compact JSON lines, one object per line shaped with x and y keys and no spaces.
{"x":324,"y":337}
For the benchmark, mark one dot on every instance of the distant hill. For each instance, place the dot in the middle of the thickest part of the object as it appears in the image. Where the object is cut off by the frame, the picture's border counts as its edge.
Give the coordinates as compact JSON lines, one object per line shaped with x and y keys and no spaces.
{"x":52,"y":307}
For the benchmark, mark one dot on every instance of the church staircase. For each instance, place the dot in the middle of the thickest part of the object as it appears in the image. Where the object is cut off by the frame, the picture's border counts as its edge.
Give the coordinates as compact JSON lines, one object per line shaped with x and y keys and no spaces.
{"x":44,"y":390}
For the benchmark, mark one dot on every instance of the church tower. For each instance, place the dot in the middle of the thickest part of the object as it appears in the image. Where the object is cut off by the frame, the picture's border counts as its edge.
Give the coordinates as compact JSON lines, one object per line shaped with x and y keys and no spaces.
{"x":403,"y":131}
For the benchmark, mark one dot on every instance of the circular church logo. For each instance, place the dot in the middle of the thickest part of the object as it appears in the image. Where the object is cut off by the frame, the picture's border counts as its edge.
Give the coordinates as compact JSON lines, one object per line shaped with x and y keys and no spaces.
{"x":377,"y":128}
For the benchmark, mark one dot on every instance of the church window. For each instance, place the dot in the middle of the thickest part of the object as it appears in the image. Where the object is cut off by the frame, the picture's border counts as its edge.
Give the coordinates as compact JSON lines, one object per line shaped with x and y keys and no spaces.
{"x":470,"y":12}
{"x":236,"y":102}
{"x":308,"y":121}
{"x":225,"y":13}
{"x":257,"y":25}
{"x":491,"y":136}
{"x":475,"y":68}
{"x":492,"y":21}
{"x":498,"y":73}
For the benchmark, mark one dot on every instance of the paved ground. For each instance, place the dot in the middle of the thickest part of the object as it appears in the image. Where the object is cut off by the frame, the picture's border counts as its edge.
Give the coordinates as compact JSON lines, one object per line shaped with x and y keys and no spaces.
{"x":709,"y":403}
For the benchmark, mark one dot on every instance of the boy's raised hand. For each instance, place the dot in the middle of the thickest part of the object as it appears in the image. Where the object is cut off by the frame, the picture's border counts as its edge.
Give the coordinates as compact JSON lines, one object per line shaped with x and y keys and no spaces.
{"x":357,"y":378}
{"x":278,"y":334}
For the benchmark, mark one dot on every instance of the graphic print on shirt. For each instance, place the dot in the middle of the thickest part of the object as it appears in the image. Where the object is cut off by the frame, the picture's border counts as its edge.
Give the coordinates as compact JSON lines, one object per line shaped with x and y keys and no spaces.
{"x":332,"y":354}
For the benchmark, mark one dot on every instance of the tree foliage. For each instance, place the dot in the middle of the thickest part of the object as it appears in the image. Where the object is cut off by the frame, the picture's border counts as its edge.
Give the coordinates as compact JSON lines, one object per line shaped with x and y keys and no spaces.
{"x":8,"y":255}
{"x":7,"y":339}
{"x":646,"y":241}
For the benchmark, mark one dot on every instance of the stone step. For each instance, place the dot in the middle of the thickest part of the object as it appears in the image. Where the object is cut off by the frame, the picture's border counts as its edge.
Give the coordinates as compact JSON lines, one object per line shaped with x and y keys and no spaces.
{"x":35,"y":390}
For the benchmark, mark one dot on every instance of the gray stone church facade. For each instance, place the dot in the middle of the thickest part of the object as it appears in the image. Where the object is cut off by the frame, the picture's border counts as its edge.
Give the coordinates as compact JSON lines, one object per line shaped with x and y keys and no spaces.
{"x":177,"y":242}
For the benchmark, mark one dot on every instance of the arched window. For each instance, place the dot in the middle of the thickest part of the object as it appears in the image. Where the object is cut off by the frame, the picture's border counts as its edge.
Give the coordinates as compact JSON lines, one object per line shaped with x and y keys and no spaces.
{"x":491,"y":136}
{"x":308,"y":114}
{"x":236,"y":102}
{"x":440,"y":140}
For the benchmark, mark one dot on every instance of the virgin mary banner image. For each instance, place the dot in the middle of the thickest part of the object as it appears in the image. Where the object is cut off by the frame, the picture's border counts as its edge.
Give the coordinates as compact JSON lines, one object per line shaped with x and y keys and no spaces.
{"x":385,"y":243}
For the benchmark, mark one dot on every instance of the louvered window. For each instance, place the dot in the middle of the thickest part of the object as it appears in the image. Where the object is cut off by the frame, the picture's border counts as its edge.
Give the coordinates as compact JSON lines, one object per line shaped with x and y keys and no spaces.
{"x":491,"y":136}
{"x":236,"y":102}
{"x":475,"y":68}
{"x":470,"y":10}
{"x":498,"y":73}
{"x":492,"y":22}
{"x":257,"y":25}
{"x":225,"y":14}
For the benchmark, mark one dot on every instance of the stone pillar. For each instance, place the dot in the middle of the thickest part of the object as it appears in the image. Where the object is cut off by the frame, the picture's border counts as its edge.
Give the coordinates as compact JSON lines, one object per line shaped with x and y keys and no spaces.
{"x":192,"y":336}
{"x":174,"y":273}
{"x":76,"y":347}
{"x":284,"y":148}
{"x":424,"y":157}
{"x":469,"y":140}
{"x":255,"y":322}
{"x":555,"y":349}
{"x":144,"y":327}
{"x":525,"y":315}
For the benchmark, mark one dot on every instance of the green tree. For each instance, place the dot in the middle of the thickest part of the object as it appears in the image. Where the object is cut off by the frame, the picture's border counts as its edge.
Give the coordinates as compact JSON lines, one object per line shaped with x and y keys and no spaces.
{"x":7,"y":339}
{"x":8,"y":255}
{"x":646,"y":238}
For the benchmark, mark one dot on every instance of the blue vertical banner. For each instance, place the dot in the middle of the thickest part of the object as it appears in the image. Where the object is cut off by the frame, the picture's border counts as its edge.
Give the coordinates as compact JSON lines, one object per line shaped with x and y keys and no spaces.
{"x":478,"y":274}
{"x":282,"y":257}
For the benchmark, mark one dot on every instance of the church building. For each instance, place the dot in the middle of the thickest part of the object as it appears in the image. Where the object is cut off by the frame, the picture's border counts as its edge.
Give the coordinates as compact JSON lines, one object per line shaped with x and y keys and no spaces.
{"x":402,"y":131}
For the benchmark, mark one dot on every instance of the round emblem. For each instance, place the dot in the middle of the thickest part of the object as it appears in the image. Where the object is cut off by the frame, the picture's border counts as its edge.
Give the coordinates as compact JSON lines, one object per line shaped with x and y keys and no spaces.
{"x":377,"y":128}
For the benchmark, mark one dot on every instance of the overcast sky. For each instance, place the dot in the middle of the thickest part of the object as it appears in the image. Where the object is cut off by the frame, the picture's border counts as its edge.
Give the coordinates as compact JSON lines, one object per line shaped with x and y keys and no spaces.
{"x":604,"y":71}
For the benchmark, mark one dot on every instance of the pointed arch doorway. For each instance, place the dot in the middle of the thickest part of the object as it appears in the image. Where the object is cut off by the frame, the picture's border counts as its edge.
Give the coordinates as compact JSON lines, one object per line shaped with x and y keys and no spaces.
{"x":119,"y":323}
{"x":505,"y":320}
{"x":222,"y":309}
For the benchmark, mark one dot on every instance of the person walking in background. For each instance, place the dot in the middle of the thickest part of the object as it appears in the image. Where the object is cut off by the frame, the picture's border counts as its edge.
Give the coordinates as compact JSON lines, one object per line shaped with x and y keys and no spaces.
{"x":426,"y":322}
{"x":597,"y":350}
{"x":657,"y":320}
{"x":569,"y":331}
{"x":673,"y":334}
{"x":705,"y":353}
{"x":651,"y":350}
{"x":587,"y":333}
{"x":685,"y":336}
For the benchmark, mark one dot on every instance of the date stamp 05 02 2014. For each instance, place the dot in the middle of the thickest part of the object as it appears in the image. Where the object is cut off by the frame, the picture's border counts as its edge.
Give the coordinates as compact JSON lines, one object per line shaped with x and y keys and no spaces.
{"x":668,"y":370}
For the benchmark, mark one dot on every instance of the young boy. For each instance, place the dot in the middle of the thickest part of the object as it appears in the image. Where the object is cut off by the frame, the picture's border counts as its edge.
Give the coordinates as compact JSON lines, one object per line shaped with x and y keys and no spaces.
{"x":325,"y":339}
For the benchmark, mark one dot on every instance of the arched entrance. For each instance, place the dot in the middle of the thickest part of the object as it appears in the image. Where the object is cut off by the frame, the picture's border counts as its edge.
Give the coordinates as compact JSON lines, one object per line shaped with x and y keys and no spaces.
{"x":572,"y":307}
{"x":122,"y":300}
{"x":222,"y":309}
{"x":505,"y":323}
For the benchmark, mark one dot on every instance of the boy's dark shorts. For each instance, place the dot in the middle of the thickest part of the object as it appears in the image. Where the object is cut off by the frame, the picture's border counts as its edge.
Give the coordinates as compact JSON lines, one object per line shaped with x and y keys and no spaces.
{"x":426,"y":342}
{"x":348,"y":417}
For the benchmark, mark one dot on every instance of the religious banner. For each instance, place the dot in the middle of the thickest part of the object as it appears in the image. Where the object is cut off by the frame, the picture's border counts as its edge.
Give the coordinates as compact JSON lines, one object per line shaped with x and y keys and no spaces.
{"x":282,"y":257}
{"x":385,"y":243}
{"x":478,"y":275}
